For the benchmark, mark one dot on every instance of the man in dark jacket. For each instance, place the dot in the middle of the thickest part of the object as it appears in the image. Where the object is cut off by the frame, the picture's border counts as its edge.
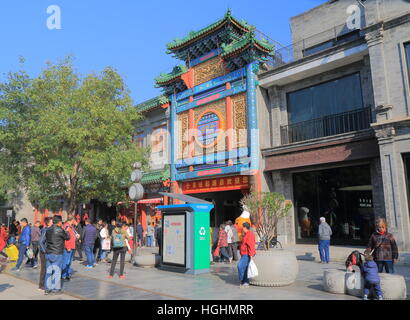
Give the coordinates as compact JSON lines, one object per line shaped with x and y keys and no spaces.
{"x":111,"y":226}
{"x":48,"y":221}
{"x":55,"y":238}
{"x":88,"y":240}
{"x":158,"y":237}
{"x":35,"y":238}
{"x":78,"y":244}
{"x":140,"y":234}
{"x":24,"y":241}
{"x":13,"y":230}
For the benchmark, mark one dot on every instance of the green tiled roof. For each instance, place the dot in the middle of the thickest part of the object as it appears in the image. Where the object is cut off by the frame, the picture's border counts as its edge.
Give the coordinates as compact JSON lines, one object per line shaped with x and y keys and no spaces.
{"x":152,"y":103}
{"x":156,"y":176}
{"x":166,"y":77}
{"x":247,"y":39}
{"x":196,"y":34}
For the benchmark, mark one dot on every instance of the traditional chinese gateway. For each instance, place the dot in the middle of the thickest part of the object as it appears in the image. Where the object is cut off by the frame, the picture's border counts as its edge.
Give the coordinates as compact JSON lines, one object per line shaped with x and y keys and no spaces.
{"x":210,"y":103}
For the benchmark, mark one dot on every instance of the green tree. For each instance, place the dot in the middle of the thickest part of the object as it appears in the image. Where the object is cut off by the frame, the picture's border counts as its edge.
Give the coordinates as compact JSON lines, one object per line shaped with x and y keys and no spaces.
{"x":67,"y":136}
{"x":266,"y":209}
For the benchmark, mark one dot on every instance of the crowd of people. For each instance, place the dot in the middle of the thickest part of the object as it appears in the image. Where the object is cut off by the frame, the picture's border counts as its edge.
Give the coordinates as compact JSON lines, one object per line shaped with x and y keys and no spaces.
{"x":56,"y":243}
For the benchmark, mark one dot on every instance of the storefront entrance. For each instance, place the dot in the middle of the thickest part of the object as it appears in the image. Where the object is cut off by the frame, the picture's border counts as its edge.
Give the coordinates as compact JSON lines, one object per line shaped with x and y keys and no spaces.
{"x":343,"y":196}
{"x":227,"y":206}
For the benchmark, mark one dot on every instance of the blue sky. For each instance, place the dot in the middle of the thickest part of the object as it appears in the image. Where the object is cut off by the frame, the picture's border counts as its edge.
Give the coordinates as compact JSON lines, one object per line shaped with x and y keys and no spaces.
{"x":129,"y":35}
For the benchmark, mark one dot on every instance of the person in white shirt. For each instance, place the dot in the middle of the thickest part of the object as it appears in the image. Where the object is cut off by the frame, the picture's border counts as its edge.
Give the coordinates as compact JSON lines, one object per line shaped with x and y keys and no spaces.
{"x":229,"y":232}
{"x":105,"y":242}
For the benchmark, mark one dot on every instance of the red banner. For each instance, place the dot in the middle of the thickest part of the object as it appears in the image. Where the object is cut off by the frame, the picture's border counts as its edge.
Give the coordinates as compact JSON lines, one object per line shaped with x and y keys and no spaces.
{"x":216,"y":184}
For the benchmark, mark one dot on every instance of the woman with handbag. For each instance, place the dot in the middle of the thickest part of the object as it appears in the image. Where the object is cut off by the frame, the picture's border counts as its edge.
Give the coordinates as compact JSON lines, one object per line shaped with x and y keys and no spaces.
{"x":385,"y":251}
{"x":105,"y":242}
{"x":247,"y":251}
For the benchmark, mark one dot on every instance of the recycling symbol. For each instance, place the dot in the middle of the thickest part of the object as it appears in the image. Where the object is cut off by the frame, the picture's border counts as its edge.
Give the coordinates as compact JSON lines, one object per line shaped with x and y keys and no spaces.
{"x":202,"y":231}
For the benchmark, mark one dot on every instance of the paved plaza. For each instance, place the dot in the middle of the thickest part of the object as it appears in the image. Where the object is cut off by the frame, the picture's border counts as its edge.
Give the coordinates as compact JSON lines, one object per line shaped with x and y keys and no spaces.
{"x":155,"y":284}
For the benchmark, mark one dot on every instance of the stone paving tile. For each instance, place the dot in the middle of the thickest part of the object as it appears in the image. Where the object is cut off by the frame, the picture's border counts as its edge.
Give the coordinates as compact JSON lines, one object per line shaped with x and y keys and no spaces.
{"x":221,"y":283}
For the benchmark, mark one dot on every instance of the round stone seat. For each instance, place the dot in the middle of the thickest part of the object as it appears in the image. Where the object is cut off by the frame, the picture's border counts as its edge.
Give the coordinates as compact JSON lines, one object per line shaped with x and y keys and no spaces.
{"x":334,"y":281}
{"x":147,"y":260}
{"x":393,"y":286}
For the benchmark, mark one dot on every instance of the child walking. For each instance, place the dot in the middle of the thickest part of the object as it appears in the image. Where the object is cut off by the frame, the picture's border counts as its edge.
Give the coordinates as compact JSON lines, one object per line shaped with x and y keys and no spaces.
{"x":371,"y":276}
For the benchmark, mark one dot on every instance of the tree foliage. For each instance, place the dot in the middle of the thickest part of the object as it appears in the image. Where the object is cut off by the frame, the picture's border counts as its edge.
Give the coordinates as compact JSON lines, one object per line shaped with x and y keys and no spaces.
{"x":67,"y":136}
{"x":266,"y":209}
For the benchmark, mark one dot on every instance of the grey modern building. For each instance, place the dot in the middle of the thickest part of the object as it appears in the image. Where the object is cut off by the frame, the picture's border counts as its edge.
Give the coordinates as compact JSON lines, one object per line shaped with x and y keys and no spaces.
{"x":336,"y":105}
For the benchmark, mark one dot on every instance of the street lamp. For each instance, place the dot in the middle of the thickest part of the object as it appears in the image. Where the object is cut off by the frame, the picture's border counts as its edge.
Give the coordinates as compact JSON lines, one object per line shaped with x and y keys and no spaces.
{"x":135,"y":192}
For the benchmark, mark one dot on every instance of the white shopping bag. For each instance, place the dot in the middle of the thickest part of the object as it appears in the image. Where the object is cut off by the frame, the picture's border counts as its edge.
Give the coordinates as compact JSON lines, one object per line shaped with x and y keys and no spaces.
{"x":252,"y":269}
{"x":106,"y":244}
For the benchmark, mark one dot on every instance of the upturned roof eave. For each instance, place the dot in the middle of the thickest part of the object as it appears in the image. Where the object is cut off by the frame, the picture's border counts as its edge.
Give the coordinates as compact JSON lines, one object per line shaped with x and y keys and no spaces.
{"x":171,"y":47}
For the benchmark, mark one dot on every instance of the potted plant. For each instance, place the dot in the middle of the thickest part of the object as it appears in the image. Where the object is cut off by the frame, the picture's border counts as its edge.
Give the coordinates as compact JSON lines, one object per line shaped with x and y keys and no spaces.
{"x":276,"y":267}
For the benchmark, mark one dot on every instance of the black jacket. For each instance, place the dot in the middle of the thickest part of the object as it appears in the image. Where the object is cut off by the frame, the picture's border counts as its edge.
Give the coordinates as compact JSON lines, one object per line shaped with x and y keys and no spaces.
{"x":13,"y":230}
{"x":55,"y":237}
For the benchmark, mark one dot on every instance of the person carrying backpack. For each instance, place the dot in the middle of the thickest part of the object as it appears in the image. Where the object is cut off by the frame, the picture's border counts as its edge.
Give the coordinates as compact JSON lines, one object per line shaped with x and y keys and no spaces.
{"x":119,"y":247}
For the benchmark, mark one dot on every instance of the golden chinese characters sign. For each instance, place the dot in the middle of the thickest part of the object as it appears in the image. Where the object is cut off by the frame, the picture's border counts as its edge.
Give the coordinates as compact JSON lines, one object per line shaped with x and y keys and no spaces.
{"x":216,"y":184}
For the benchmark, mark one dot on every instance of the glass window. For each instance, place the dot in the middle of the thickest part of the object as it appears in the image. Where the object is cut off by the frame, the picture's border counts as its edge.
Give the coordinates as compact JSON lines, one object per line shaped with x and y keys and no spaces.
{"x":332,"y":97}
{"x":343,"y":196}
{"x":407,"y":48}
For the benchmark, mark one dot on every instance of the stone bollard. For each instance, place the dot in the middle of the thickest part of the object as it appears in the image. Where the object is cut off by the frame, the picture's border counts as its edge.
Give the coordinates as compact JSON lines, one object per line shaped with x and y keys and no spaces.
{"x":334,"y":281}
{"x":393,"y":286}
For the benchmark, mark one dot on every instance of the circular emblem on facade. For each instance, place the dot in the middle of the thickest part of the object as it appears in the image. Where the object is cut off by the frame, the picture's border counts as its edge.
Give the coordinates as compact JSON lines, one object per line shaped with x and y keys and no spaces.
{"x":208,"y":129}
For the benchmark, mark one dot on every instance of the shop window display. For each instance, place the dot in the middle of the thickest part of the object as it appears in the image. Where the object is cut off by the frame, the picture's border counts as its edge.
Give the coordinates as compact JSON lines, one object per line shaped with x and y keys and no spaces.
{"x":343,"y":196}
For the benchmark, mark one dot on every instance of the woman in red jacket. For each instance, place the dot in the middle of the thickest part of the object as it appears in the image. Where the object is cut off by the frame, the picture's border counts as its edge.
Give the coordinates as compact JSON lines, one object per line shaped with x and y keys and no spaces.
{"x":247,"y":250}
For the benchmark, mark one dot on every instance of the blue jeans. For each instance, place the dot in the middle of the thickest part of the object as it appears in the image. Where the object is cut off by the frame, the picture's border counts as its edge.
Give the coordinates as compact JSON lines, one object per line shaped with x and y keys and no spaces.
{"x":90,"y":255}
{"x":22,"y":252}
{"x":224,"y":253}
{"x":388,"y":266}
{"x":54,"y":263}
{"x":67,"y":259}
{"x":150,"y":241}
{"x":324,"y":250}
{"x":243,"y":269}
{"x":368,"y":285}
{"x":104,"y":254}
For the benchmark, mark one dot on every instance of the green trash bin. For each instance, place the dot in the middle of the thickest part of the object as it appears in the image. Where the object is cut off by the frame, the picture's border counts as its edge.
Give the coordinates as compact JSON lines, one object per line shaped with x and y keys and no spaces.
{"x":186,"y":237}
